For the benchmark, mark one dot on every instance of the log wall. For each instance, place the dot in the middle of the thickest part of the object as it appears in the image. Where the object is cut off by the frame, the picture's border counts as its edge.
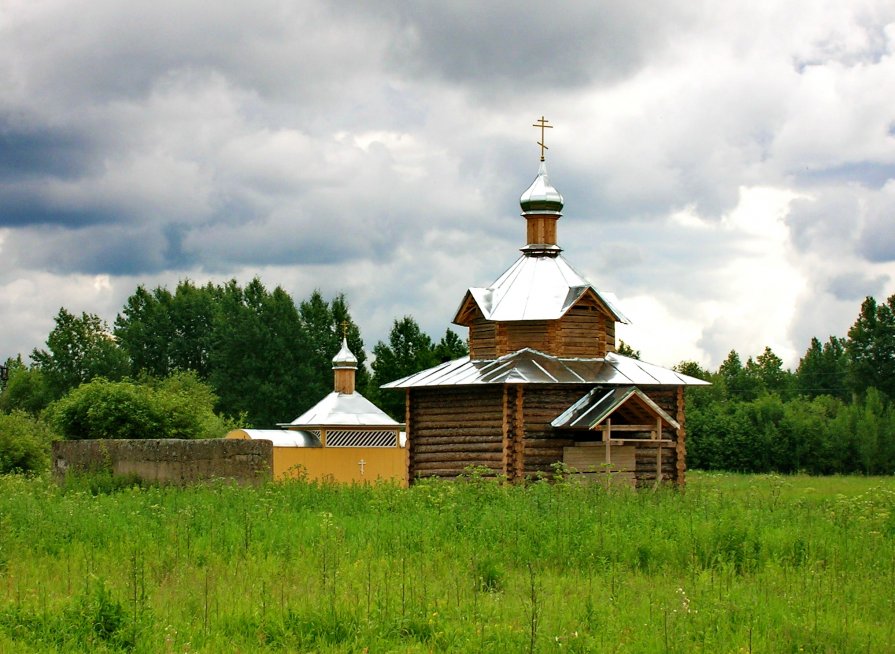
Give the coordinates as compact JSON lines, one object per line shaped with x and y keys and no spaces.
{"x":455,"y":427}
{"x":483,"y":339}
{"x":507,"y":429}
{"x":541,"y":405}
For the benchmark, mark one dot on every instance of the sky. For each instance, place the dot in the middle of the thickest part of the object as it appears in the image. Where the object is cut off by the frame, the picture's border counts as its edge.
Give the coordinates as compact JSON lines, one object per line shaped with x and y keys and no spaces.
{"x":728,"y":168}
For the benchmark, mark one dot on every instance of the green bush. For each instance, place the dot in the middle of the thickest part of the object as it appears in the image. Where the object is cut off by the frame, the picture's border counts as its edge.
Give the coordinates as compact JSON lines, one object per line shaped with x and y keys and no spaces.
{"x":24,"y":443}
{"x":178,"y":407}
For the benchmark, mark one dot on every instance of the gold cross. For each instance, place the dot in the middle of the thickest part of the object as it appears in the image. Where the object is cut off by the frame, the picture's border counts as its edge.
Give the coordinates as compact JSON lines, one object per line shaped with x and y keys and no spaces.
{"x":542,"y":123}
{"x":345,"y":329}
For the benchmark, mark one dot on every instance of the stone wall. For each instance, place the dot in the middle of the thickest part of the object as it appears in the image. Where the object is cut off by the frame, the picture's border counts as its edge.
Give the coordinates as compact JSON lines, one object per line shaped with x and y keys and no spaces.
{"x":167,"y":460}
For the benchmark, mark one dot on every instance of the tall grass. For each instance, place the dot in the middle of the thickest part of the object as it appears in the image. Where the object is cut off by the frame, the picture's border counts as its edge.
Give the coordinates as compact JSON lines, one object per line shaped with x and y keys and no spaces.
{"x":734,"y":564}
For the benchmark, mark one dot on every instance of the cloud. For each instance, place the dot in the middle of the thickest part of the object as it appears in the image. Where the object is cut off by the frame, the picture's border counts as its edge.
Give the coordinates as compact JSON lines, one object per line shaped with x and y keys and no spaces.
{"x":728,"y":171}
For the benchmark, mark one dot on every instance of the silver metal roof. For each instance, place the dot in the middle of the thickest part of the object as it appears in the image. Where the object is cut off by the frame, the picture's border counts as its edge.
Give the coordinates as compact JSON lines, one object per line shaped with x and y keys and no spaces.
{"x":541,"y":197}
{"x":529,"y":366}
{"x":345,"y":357}
{"x":535,"y":288}
{"x":282,"y":437}
{"x":344,"y":410}
{"x":598,"y":404}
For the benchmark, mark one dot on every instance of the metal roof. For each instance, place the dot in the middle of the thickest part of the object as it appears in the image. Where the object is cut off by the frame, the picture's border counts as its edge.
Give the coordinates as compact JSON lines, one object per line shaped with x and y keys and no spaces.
{"x":345,"y":357}
{"x":541,"y":196}
{"x":598,"y":404}
{"x":281,"y":437}
{"x":343,"y":410}
{"x":535,"y":288}
{"x":529,"y":366}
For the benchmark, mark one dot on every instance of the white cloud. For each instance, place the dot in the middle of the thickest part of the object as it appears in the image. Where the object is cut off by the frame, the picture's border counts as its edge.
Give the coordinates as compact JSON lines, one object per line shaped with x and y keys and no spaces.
{"x":728,"y":169}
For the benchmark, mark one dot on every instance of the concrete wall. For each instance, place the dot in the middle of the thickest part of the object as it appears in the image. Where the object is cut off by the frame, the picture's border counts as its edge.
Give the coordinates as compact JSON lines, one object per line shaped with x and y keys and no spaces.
{"x":167,"y":460}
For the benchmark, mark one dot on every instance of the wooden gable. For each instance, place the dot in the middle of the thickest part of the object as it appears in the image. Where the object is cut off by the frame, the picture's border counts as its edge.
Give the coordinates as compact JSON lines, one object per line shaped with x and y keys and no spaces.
{"x":586,"y":330}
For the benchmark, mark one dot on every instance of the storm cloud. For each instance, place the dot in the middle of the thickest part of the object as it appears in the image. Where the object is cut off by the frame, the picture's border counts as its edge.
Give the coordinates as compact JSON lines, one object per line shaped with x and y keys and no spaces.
{"x":728,"y":170}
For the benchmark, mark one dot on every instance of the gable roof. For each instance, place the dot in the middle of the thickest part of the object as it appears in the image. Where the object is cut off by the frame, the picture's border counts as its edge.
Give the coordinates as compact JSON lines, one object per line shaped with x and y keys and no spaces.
{"x":528,"y":366}
{"x":598,"y":404}
{"x":343,"y":410}
{"x":534,"y":288}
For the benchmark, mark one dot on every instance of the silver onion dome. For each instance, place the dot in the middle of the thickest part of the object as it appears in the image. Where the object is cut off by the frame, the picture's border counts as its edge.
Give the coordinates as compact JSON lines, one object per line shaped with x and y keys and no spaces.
{"x":541,"y":196}
{"x":344,"y":358}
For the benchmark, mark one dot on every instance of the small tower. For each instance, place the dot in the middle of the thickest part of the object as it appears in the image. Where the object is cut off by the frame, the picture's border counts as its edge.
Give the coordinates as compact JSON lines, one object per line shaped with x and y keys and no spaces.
{"x":541,"y":206}
{"x":344,"y":370}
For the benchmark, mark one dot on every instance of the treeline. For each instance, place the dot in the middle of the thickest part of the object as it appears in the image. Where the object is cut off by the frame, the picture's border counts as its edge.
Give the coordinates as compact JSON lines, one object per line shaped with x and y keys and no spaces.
{"x":195,"y":361}
{"x":833,"y":414}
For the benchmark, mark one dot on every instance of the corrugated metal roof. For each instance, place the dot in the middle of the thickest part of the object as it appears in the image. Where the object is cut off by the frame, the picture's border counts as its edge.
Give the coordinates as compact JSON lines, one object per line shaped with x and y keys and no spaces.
{"x":529,"y":366}
{"x":283,"y":437}
{"x":535,"y":288}
{"x":342,"y":409}
{"x":598,"y":404}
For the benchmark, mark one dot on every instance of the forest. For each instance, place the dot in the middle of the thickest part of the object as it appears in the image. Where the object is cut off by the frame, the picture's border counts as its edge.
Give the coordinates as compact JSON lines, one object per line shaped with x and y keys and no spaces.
{"x":200,"y":360}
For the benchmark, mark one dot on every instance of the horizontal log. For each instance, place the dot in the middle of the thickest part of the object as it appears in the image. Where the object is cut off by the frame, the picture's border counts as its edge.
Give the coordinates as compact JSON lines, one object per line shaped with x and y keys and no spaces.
{"x":464,"y":457}
{"x":458,"y":447}
{"x":539,"y":460}
{"x":466,"y":418}
{"x":454,"y":430}
{"x":426,"y":439}
{"x":548,"y":442}
{"x":423,"y":466}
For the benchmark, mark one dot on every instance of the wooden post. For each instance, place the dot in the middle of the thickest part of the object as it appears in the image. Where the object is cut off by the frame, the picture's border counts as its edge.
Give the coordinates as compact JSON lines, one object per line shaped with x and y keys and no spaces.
{"x":410,"y":452}
{"x":323,"y":437}
{"x":608,"y":439}
{"x":658,"y":463}
{"x":681,"y":446}
{"x":519,"y":436}
{"x":507,"y":440}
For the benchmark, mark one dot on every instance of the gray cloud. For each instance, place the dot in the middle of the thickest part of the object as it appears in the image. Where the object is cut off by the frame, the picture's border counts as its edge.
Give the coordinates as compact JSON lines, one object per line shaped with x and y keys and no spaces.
{"x":324,"y":142}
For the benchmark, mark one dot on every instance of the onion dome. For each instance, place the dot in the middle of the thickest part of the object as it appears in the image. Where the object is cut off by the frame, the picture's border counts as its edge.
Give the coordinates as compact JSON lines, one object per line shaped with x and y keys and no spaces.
{"x":541,"y":197}
{"x":344,"y":358}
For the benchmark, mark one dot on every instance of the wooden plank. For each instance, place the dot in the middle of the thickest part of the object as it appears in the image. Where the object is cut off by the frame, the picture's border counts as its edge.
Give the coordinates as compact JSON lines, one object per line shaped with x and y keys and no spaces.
{"x":588,"y":458}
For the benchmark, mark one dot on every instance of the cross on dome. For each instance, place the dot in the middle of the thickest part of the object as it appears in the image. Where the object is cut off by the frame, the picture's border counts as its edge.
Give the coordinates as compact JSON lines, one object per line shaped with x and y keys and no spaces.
{"x":542,"y":123}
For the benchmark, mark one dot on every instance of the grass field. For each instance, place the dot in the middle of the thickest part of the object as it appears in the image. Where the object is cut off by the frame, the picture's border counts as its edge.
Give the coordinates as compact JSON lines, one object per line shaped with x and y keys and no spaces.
{"x":734,"y":564}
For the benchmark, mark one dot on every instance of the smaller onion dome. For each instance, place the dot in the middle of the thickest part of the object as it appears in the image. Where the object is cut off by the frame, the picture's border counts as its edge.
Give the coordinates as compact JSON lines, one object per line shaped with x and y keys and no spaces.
{"x":344,"y":358}
{"x":541,"y":197}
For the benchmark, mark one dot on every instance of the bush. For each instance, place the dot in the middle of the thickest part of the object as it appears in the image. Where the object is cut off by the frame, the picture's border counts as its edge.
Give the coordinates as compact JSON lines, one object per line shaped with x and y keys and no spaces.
{"x":24,"y":443}
{"x":178,"y":407}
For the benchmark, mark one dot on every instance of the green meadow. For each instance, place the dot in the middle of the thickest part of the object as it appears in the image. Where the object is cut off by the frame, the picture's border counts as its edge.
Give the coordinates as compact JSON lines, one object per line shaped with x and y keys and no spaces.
{"x":732,"y":564}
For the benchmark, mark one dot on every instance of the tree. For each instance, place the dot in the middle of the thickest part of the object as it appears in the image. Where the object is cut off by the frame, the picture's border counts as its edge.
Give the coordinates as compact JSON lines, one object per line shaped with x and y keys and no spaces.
{"x":739,"y":382}
{"x":260,"y":359}
{"x":768,"y":370}
{"x":450,"y":347}
{"x":24,"y":443}
{"x":824,"y":369}
{"x":627,"y":351}
{"x":164,"y":332}
{"x":79,"y":349}
{"x":408,"y":350}
{"x":25,"y":389}
{"x":323,"y":323}
{"x":180,"y":406}
{"x":871,"y":348}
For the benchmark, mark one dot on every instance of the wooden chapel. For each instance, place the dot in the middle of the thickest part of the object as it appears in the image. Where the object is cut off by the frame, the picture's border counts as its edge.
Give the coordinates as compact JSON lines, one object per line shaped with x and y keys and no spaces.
{"x":543,"y":383}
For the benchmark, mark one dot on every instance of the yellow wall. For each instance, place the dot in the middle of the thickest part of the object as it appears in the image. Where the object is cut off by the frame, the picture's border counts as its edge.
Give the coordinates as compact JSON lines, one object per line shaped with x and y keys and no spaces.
{"x":341,"y":464}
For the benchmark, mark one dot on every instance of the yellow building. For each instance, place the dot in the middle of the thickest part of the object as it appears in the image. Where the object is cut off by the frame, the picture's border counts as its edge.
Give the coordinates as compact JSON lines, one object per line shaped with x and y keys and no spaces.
{"x":343,"y":438}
